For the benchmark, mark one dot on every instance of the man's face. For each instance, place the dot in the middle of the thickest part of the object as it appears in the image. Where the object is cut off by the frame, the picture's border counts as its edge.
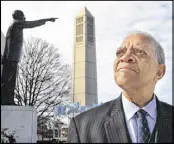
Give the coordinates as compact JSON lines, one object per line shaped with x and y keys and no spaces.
{"x":136,"y":63}
{"x":21,"y":17}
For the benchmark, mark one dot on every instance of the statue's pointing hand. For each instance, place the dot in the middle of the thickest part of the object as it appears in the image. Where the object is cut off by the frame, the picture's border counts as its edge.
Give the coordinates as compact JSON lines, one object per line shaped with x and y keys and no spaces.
{"x":53,"y":19}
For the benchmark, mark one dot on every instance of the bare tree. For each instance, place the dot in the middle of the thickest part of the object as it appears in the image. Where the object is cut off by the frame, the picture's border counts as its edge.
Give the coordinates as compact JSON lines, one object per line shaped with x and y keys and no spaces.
{"x":42,"y":80}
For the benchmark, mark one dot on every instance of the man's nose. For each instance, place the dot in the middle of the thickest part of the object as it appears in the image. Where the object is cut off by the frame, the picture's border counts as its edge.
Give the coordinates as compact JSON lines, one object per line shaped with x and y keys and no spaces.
{"x":128,"y":57}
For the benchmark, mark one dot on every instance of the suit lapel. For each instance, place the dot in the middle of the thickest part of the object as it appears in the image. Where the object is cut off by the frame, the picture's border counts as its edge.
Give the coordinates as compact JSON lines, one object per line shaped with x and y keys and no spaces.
{"x":115,"y":124}
{"x":164,"y":130}
{"x":164,"y":123}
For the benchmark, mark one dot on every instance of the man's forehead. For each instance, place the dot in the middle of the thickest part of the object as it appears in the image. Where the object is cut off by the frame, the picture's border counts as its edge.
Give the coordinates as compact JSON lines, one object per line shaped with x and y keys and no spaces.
{"x":137,"y":39}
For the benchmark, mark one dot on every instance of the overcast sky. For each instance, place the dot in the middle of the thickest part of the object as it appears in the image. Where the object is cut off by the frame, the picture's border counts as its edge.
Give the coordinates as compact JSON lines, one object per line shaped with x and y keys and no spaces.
{"x":113,"y":21}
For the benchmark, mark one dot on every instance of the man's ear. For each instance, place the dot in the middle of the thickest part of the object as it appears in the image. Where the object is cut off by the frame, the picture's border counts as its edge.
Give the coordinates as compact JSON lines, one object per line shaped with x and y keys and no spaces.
{"x":161,"y":71}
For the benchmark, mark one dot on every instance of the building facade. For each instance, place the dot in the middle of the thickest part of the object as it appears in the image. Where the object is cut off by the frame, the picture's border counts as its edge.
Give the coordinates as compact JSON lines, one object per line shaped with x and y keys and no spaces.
{"x":84,"y":59}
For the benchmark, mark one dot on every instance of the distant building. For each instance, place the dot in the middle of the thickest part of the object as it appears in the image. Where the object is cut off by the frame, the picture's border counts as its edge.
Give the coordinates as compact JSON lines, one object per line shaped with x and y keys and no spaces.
{"x":60,"y":134}
{"x":84,"y":59}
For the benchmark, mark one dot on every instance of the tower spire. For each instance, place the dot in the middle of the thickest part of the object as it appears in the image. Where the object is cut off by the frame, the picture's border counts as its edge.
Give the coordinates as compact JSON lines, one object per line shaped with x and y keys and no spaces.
{"x":84,"y":11}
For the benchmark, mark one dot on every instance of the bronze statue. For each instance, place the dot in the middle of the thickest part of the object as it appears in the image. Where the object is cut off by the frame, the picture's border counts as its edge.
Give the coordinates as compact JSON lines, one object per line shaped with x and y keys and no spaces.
{"x":12,"y":53}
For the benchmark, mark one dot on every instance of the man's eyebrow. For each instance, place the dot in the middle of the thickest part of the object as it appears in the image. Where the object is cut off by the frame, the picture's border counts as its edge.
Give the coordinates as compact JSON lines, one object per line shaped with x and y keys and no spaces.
{"x":137,"y":46}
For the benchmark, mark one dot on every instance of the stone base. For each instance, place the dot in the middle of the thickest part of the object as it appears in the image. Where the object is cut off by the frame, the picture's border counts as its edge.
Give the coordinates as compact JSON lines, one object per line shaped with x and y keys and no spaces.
{"x":22,"y":120}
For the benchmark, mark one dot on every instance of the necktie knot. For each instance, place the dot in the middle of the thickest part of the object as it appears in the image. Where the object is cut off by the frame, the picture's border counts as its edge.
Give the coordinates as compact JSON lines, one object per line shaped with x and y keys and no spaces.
{"x":141,"y":113}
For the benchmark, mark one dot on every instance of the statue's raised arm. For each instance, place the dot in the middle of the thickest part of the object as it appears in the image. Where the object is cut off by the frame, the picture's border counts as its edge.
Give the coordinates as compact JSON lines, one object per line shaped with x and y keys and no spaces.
{"x":14,"y":36}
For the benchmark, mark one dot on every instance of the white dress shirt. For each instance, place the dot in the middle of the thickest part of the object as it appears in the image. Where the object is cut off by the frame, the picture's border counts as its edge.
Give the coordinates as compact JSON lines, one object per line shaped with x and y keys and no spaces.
{"x":130,"y":109}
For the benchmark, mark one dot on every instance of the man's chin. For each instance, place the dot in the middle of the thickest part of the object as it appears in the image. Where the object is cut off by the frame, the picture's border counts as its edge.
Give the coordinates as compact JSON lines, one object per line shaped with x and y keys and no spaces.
{"x":125,"y":82}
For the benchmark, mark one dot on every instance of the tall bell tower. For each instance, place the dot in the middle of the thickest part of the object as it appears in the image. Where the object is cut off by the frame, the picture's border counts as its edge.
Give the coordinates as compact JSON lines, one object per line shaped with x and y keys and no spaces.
{"x":84,"y":59}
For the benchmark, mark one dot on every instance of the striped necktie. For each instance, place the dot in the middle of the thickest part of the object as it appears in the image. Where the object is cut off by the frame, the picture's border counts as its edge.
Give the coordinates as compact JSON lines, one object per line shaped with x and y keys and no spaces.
{"x":143,"y":129}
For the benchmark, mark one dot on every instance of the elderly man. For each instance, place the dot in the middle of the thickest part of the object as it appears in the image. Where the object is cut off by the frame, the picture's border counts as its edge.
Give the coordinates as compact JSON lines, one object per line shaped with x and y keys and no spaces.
{"x":136,"y":116}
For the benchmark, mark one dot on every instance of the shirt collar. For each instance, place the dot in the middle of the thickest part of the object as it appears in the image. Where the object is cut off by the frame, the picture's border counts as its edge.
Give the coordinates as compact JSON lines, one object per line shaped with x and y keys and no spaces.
{"x":130,"y":108}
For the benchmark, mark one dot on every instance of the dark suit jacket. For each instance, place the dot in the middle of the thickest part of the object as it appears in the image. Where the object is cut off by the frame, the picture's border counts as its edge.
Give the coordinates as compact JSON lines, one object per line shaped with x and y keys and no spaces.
{"x":106,"y":124}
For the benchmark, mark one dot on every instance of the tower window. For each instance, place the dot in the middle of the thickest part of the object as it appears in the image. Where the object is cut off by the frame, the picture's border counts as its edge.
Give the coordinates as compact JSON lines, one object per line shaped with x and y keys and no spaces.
{"x":79,"y":39}
{"x":90,"y":39}
{"x":90,"y":20}
{"x":79,"y":29}
{"x":89,"y":29}
{"x":79,"y":20}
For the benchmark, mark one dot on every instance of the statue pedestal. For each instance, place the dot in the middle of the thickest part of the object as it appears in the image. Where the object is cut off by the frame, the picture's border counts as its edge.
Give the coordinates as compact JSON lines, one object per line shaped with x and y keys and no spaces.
{"x":21,"y":119}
